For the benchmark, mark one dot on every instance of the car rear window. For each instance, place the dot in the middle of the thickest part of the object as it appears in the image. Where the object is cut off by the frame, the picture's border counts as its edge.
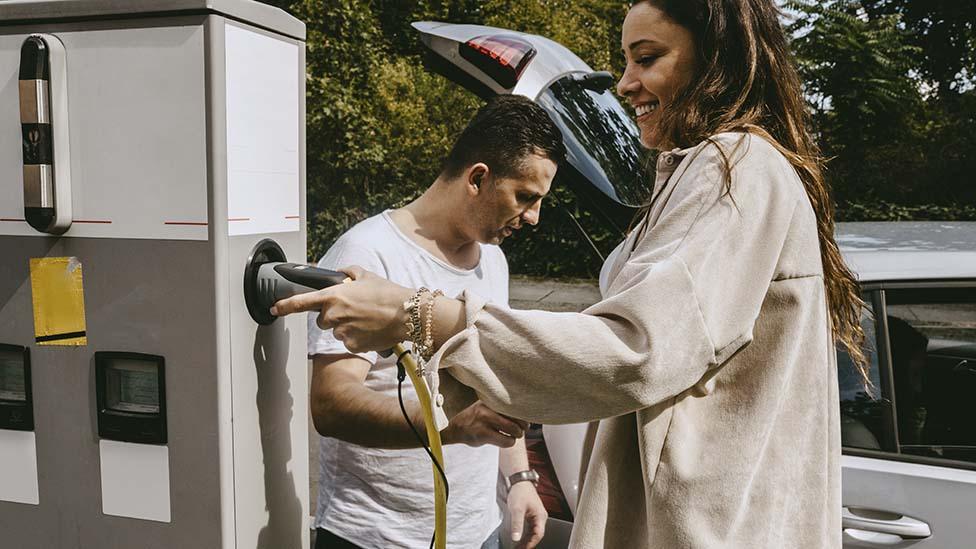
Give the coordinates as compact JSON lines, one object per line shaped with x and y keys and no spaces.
{"x":602,"y":141}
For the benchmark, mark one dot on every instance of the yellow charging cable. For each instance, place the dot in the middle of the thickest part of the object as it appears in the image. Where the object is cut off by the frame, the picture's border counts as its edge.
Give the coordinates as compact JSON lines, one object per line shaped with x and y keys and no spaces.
{"x":434,"y":441}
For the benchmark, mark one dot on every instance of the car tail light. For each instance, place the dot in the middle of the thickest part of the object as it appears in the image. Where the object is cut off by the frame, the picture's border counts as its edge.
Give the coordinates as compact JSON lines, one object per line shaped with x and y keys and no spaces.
{"x":501,"y":57}
{"x":550,"y":492}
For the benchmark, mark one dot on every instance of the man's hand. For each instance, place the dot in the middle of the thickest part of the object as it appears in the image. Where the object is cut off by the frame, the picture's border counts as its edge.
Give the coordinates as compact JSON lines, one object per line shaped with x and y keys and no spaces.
{"x":478,"y":425}
{"x":528,"y":515}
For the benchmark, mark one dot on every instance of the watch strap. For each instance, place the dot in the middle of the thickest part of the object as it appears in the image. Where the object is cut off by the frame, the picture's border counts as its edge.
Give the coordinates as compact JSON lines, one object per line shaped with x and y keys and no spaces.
{"x":529,"y":475}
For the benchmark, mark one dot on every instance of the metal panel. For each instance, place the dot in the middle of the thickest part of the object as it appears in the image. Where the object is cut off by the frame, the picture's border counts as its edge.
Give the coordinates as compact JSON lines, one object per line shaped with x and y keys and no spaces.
{"x":263,"y":386}
{"x":148,"y":296}
{"x":138,"y":134}
{"x":34,"y":101}
{"x":255,"y":13}
{"x":153,"y":138}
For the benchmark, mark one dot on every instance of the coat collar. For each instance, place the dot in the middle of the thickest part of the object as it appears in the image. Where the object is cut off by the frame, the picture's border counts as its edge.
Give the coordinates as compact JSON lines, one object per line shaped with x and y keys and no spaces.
{"x":667,"y":163}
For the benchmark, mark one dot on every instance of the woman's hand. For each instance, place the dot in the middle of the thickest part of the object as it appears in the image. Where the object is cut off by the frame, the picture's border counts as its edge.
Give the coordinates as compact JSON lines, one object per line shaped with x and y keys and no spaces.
{"x":366,"y":312}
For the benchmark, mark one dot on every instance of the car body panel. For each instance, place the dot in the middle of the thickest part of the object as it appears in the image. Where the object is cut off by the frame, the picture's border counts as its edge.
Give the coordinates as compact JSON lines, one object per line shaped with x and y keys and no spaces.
{"x":552,"y":60}
{"x":940,"y":497}
{"x":567,"y":442}
{"x":899,"y":251}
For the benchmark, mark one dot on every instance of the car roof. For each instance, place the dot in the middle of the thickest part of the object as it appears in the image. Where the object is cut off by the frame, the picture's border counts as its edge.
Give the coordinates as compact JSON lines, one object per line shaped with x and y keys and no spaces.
{"x":909,"y":250}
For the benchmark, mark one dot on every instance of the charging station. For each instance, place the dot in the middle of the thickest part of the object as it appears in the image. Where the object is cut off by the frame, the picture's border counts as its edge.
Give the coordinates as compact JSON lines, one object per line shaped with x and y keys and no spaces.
{"x":146,"y":148}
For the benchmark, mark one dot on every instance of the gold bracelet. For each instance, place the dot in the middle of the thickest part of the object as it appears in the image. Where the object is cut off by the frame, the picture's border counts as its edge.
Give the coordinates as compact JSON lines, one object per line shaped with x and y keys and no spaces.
{"x":412,"y":307}
{"x":428,"y":346}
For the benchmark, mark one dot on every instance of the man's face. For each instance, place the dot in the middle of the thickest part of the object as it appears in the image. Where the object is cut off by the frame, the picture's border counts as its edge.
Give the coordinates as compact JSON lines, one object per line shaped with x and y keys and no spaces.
{"x":505,"y":205}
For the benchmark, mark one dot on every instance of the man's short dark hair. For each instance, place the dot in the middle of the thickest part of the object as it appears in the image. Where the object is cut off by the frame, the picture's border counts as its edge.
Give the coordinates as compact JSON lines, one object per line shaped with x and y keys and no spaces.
{"x":503,"y":134}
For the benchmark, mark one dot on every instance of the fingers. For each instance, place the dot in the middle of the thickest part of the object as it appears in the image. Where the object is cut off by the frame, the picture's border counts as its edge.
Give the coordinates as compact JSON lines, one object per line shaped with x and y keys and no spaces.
{"x":518,"y":524}
{"x":533,"y":535}
{"x":501,"y":440}
{"x":527,"y":537}
{"x":512,"y":427}
{"x":312,"y":301}
{"x":355,"y":272}
{"x":520,"y":422}
{"x":538,"y":531}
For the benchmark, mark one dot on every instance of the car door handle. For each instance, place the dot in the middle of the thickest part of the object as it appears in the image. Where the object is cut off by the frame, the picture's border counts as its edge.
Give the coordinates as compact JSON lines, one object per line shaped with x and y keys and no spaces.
{"x":884,"y":522}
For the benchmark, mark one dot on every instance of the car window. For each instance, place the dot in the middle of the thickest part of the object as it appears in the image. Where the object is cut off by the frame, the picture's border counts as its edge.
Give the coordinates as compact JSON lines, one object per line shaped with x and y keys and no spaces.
{"x":602,"y":140}
{"x":932,"y":338}
{"x":863,"y":411}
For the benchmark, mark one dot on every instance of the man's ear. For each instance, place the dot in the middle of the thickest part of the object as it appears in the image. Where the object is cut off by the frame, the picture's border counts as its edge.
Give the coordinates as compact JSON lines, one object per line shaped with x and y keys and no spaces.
{"x":477,"y":174}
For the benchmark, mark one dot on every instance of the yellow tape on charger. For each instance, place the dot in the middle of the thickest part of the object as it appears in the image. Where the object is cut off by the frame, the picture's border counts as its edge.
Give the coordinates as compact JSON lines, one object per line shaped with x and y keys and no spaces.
{"x":59,"y":301}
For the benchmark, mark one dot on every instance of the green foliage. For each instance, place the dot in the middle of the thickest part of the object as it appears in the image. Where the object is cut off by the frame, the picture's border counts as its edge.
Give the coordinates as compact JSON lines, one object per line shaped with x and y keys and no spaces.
{"x":945,"y":33}
{"x":379,"y":124}
{"x":886,"y":79}
{"x":888,"y":142}
{"x":886,"y":211}
{"x":855,"y":70}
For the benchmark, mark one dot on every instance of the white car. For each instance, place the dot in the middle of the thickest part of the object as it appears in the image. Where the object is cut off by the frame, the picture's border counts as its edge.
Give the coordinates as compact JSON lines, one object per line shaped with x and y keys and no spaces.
{"x":909,"y":465}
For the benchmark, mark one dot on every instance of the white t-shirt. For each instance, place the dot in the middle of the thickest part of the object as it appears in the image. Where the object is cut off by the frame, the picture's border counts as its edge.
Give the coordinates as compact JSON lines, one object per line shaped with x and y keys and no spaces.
{"x":381,"y":498}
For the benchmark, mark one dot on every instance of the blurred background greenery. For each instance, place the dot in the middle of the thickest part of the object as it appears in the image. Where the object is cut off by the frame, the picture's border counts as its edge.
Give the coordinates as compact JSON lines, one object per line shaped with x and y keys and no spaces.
{"x":890,"y":86}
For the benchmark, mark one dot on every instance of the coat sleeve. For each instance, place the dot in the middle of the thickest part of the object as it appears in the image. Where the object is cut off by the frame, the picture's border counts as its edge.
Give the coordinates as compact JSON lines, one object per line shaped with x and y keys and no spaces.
{"x":685,"y":301}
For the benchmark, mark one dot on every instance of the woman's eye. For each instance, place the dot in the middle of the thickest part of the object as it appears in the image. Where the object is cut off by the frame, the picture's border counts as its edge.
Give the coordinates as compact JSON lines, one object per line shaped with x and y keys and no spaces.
{"x":646,"y":60}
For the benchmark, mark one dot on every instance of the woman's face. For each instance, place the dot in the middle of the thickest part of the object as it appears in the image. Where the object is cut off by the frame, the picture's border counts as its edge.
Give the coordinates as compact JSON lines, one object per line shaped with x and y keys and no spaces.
{"x":661,"y":60}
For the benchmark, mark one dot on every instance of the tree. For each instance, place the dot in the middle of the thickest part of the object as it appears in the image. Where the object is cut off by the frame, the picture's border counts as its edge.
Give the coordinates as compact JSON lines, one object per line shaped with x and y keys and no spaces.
{"x":378,"y":123}
{"x":856,"y":72}
{"x":887,"y":140}
{"x":945,"y":33}
{"x":886,"y":81}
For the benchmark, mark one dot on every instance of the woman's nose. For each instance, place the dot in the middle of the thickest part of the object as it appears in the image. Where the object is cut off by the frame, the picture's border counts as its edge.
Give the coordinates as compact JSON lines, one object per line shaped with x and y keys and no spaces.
{"x":627,"y":84}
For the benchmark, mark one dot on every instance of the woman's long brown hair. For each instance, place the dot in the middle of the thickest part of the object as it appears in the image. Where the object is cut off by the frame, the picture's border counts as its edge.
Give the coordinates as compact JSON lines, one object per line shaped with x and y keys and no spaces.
{"x":746,"y":81}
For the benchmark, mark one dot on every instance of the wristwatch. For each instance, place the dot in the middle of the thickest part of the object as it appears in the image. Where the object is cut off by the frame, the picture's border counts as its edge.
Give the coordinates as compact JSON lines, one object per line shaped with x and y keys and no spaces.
{"x":529,"y":475}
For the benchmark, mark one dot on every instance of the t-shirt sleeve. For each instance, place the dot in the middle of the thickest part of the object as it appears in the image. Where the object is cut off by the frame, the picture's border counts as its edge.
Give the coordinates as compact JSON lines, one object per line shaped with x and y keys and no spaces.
{"x":345,"y":252}
{"x":683,"y":303}
{"x":499,"y":276}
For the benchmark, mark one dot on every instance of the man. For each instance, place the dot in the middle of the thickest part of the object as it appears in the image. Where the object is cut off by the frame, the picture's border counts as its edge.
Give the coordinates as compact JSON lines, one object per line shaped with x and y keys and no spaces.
{"x":375,"y":488}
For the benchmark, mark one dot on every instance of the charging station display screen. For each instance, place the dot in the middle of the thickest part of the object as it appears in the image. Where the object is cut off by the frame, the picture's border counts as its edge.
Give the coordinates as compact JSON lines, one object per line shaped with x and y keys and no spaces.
{"x":131,"y":396}
{"x":12,"y":383}
{"x":132,"y":387}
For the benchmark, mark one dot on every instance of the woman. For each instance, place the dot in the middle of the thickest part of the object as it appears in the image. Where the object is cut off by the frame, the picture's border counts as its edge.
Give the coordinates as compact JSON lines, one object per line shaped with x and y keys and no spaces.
{"x":710,"y":359}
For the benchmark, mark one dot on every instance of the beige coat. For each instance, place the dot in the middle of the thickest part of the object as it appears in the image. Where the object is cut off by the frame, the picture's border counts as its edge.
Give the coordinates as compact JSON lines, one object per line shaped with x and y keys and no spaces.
{"x":709,"y":362}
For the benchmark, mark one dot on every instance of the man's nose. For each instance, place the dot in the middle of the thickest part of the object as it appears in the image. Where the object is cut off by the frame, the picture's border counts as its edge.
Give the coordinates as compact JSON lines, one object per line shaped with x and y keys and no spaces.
{"x":531,"y":216}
